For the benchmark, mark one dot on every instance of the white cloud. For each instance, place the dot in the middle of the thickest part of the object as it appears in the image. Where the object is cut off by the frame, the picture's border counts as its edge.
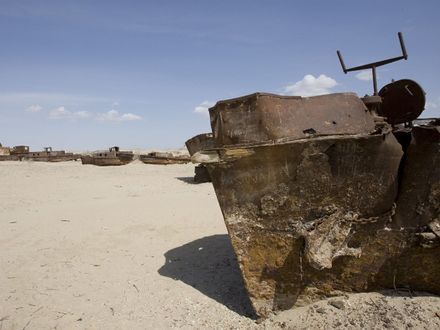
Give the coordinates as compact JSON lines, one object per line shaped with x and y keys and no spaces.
{"x":34,"y":108}
{"x":431,"y":105}
{"x":365,"y":75}
{"x":432,"y":109}
{"x":203,"y":107}
{"x":63,"y":113}
{"x":310,"y":86}
{"x":81,"y":114}
{"x":18,"y":98}
{"x":114,"y":115}
{"x":129,"y":117}
{"x":59,"y":113}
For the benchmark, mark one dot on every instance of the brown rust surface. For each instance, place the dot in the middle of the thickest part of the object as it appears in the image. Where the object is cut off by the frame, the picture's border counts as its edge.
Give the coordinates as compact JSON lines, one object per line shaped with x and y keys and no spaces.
{"x":260,"y":118}
{"x":112,"y":157}
{"x":164,"y":158}
{"x":419,"y":198}
{"x":293,"y":211}
{"x":200,"y":142}
{"x":196,"y":144}
{"x":4,"y":151}
{"x":20,"y":150}
{"x":313,"y":216}
{"x":50,"y":155}
{"x":201,"y":174}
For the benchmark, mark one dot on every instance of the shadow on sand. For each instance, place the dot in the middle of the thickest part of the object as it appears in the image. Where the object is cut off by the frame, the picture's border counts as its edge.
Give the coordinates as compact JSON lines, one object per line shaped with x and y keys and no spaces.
{"x":187,"y":179}
{"x":209,"y":265}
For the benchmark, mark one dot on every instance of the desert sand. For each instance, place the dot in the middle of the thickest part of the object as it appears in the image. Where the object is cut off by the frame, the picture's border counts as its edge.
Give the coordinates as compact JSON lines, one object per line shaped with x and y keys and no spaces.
{"x":141,"y":247}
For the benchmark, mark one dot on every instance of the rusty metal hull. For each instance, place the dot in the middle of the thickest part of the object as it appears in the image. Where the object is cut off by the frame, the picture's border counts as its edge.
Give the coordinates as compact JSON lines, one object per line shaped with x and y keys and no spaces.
{"x":201,"y":174}
{"x":108,"y":158}
{"x":20,"y":150}
{"x":86,"y":160}
{"x":418,"y":204}
{"x":262,"y":118}
{"x":4,"y":151}
{"x":157,"y":160}
{"x":51,"y":156}
{"x":293,"y":212}
{"x":104,"y":161}
{"x":200,"y":142}
{"x":196,"y":144}
{"x":10,"y":158}
{"x":13,"y":154}
{"x":313,"y":214}
{"x":52,"y":159}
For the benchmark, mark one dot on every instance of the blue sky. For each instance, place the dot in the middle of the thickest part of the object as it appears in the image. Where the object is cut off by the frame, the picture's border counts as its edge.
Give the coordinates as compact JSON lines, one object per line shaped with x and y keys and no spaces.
{"x":140,"y":74}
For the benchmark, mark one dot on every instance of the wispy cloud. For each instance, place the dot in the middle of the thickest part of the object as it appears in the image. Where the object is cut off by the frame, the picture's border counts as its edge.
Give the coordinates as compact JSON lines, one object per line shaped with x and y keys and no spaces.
{"x":16,"y":96}
{"x":431,"y":105}
{"x":63,"y":113}
{"x":203,"y":107}
{"x":34,"y":108}
{"x":115,"y":116}
{"x":47,"y":100}
{"x":432,"y":108}
{"x":309,"y":86}
{"x":112,"y":115}
{"x":62,"y":105}
{"x":364,"y":75}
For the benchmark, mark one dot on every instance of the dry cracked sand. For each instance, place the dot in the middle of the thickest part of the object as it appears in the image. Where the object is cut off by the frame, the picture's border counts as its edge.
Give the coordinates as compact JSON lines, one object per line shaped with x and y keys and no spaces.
{"x":141,"y":247}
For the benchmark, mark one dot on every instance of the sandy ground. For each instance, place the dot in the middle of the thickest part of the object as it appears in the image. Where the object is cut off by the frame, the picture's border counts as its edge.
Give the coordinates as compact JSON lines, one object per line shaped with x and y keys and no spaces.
{"x":139,"y":247}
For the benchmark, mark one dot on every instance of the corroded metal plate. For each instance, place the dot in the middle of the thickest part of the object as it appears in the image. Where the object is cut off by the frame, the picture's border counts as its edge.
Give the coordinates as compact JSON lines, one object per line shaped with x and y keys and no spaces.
{"x":263,"y":118}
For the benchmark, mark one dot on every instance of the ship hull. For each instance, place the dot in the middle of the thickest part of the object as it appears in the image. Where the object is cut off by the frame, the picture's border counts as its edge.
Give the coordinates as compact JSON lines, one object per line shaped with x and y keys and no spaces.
{"x":313,"y":212}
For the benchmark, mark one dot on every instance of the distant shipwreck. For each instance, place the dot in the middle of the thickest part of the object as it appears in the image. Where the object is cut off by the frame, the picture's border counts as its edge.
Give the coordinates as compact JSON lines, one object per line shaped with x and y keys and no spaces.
{"x":196,"y":144}
{"x":20,"y":153}
{"x":164,"y":158}
{"x":111,"y":157}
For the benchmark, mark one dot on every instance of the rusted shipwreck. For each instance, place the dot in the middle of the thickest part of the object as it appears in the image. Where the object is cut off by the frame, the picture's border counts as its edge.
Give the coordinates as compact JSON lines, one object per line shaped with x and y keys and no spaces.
{"x":20,"y":153}
{"x":111,"y":157}
{"x":164,"y":158}
{"x":20,"y":150}
{"x":324,"y":195}
{"x":49,"y":155}
{"x":15,"y":153}
{"x":5,"y":153}
{"x":196,"y":144}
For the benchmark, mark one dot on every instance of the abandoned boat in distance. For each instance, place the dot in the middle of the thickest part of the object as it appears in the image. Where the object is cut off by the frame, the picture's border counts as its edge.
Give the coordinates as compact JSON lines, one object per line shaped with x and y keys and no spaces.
{"x":164,"y":158}
{"x":49,"y":155}
{"x":112,"y":157}
{"x":196,"y":144}
{"x":5,"y":153}
{"x":20,"y":153}
{"x":17,"y":153}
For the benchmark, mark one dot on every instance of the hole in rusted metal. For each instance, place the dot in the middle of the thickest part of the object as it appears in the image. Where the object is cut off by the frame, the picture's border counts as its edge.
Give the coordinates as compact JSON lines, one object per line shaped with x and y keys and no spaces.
{"x":309,"y":131}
